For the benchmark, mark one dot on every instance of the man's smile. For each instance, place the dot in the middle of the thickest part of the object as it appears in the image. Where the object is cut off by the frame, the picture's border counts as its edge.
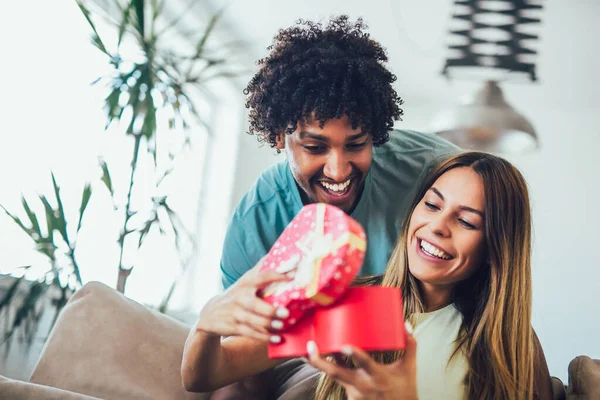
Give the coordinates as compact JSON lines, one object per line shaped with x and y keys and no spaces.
{"x":337,"y":189}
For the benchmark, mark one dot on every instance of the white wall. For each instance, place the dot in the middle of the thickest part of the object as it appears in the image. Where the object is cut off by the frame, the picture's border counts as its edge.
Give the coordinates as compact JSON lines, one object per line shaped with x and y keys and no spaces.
{"x":564,"y":184}
{"x":563,"y":179}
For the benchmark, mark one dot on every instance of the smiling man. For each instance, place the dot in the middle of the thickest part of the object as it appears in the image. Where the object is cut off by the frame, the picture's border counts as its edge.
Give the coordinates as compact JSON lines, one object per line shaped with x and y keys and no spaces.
{"x":325,"y":98}
{"x":329,"y":164}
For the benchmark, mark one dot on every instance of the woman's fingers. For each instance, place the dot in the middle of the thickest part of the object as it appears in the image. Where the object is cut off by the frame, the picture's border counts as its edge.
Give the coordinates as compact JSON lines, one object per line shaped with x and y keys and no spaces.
{"x":257,"y":306}
{"x":245,"y":330}
{"x":255,"y":321}
{"x":341,"y":374}
{"x":265,"y":278}
{"x":240,"y":311}
{"x":361,"y":358}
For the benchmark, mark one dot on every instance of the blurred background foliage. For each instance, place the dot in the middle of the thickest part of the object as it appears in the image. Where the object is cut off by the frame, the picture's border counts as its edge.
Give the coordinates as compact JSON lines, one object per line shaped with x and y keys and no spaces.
{"x":152,"y":91}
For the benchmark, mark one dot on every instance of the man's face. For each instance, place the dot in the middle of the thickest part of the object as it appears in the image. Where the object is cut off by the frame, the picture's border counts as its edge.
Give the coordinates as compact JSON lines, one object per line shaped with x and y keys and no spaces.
{"x":330,"y":163}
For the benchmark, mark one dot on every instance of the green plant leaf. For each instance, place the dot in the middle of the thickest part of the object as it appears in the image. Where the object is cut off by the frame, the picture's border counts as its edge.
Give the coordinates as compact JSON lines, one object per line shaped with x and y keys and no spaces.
{"x":29,"y":231}
{"x":106,"y":177}
{"x":85,"y":198}
{"x":178,"y":228}
{"x":50,"y":216}
{"x":34,"y":221}
{"x":139,"y":15}
{"x":156,"y":9}
{"x":61,"y":221}
{"x":112,"y":105}
{"x":96,"y":41}
{"x":149,"y":119}
{"x":209,"y":28}
{"x":124,"y":23}
{"x":146,"y":229}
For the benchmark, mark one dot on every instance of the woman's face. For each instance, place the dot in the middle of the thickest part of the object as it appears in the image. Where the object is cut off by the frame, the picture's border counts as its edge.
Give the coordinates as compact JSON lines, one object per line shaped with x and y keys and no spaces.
{"x":446,"y":232}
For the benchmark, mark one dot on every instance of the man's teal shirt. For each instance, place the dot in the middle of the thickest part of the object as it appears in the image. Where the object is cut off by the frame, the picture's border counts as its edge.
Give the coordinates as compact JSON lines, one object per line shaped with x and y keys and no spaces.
{"x":268,"y":207}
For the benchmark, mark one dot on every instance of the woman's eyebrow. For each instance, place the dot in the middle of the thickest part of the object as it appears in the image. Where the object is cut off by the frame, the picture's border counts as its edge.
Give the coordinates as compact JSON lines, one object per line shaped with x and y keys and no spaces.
{"x":464,"y":208}
{"x":434,"y":190}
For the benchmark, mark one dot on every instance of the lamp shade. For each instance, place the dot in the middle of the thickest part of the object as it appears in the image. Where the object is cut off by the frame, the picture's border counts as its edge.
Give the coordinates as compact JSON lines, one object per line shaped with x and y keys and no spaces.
{"x":486,"y":123}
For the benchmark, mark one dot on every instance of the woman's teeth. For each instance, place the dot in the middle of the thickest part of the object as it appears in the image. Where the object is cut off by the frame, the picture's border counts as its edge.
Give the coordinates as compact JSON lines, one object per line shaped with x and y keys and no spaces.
{"x":336,"y":187}
{"x":434,"y":251}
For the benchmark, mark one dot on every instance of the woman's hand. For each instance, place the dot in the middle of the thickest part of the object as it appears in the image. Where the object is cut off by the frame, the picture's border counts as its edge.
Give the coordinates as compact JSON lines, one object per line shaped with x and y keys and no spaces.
{"x":239,"y":310}
{"x":372,"y":380}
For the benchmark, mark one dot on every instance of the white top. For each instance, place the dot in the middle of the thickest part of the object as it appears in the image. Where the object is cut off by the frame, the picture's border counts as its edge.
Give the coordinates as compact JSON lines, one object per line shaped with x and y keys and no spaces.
{"x":436,"y":333}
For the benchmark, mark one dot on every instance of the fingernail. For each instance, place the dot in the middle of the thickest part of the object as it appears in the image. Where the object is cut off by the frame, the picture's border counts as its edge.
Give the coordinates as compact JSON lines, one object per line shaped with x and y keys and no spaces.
{"x":311,"y":348}
{"x":347,"y":351}
{"x":282,"y":313}
{"x":275,"y":339}
{"x":276,"y":324}
{"x":408,"y":327}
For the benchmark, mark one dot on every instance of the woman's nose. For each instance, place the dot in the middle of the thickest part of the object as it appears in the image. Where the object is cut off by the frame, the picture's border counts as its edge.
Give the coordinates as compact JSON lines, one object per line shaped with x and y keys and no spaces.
{"x":439,"y":225}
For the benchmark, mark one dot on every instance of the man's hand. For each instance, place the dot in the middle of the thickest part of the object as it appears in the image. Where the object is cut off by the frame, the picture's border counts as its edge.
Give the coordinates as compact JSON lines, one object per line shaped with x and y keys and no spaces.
{"x":372,"y":380}
{"x":239,"y":310}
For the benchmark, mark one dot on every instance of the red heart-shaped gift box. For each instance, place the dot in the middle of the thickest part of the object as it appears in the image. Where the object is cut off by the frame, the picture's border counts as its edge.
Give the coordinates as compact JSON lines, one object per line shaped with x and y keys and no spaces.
{"x":322,"y":250}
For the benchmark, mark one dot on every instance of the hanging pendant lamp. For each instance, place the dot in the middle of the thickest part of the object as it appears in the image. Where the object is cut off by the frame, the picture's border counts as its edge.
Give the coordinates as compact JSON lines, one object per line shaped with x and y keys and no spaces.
{"x":491,"y":38}
{"x":486,"y":122}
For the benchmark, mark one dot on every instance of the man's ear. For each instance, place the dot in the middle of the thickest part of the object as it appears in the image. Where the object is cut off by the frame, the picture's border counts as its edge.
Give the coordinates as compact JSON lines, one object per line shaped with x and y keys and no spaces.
{"x":280,"y":141}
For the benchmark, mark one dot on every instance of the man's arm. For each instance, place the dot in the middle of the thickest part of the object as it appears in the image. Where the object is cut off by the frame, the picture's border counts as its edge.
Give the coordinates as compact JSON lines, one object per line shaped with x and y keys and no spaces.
{"x":234,"y":261}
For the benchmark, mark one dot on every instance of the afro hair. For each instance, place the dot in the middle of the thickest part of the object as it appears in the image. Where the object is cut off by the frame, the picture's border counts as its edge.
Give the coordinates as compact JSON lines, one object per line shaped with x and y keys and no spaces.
{"x":321,"y":73}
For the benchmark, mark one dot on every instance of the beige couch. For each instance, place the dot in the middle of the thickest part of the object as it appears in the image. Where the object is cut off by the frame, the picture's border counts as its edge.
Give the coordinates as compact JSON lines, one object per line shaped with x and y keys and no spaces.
{"x":110,"y":347}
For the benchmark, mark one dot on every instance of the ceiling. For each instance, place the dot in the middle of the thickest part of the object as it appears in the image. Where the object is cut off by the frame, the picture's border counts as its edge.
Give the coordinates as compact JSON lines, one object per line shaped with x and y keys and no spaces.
{"x":415,"y":35}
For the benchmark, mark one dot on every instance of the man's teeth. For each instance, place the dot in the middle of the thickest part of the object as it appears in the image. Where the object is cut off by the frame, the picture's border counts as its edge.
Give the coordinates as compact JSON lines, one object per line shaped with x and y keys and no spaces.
{"x":336,"y":187}
{"x":434,"y":251}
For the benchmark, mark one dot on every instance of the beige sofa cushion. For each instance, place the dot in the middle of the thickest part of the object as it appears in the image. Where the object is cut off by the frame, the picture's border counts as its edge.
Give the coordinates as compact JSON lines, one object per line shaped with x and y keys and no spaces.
{"x":108,"y":346}
{"x":18,"y":390}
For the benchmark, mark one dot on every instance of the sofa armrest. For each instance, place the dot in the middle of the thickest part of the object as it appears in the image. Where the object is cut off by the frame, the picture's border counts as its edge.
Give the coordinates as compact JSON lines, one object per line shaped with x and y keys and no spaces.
{"x":108,"y":346}
{"x":584,"y":379}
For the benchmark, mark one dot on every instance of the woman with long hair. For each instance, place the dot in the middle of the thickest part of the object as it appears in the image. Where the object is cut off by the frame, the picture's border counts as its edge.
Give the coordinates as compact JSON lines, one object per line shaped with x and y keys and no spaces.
{"x":463,"y":263}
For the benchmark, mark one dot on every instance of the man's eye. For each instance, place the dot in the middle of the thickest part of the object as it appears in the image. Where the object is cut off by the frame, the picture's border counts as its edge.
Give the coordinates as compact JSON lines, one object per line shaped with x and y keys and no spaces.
{"x":431,"y":206}
{"x":356,"y":146}
{"x":314,"y":149}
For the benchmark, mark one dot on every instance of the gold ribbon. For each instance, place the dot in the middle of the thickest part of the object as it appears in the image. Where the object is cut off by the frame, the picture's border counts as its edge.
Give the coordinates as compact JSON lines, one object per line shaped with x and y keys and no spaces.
{"x":315,"y":246}
{"x":317,"y":254}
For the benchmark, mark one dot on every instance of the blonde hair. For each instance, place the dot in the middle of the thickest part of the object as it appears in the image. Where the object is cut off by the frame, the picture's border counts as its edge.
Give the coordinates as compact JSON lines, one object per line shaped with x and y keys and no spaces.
{"x":496,"y":334}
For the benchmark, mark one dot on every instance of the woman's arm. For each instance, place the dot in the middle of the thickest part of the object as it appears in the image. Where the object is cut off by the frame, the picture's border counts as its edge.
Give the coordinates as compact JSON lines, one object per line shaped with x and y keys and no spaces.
{"x":542,"y":383}
{"x":209,"y":363}
{"x":247,"y":321}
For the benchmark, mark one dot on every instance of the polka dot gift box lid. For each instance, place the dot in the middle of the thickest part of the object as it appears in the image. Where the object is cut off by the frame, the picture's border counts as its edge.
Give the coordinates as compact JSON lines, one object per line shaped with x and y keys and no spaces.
{"x":321,"y":250}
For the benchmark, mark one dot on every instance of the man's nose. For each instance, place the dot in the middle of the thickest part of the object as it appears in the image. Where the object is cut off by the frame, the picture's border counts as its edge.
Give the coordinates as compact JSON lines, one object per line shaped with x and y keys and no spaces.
{"x":338,"y":167}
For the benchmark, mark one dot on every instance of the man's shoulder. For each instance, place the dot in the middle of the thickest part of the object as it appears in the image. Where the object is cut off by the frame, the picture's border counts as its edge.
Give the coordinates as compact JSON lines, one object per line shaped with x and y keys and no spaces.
{"x":408,"y":147}
{"x":270,"y":191}
{"x":404,"y":141}
{"x":400,"y":164}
